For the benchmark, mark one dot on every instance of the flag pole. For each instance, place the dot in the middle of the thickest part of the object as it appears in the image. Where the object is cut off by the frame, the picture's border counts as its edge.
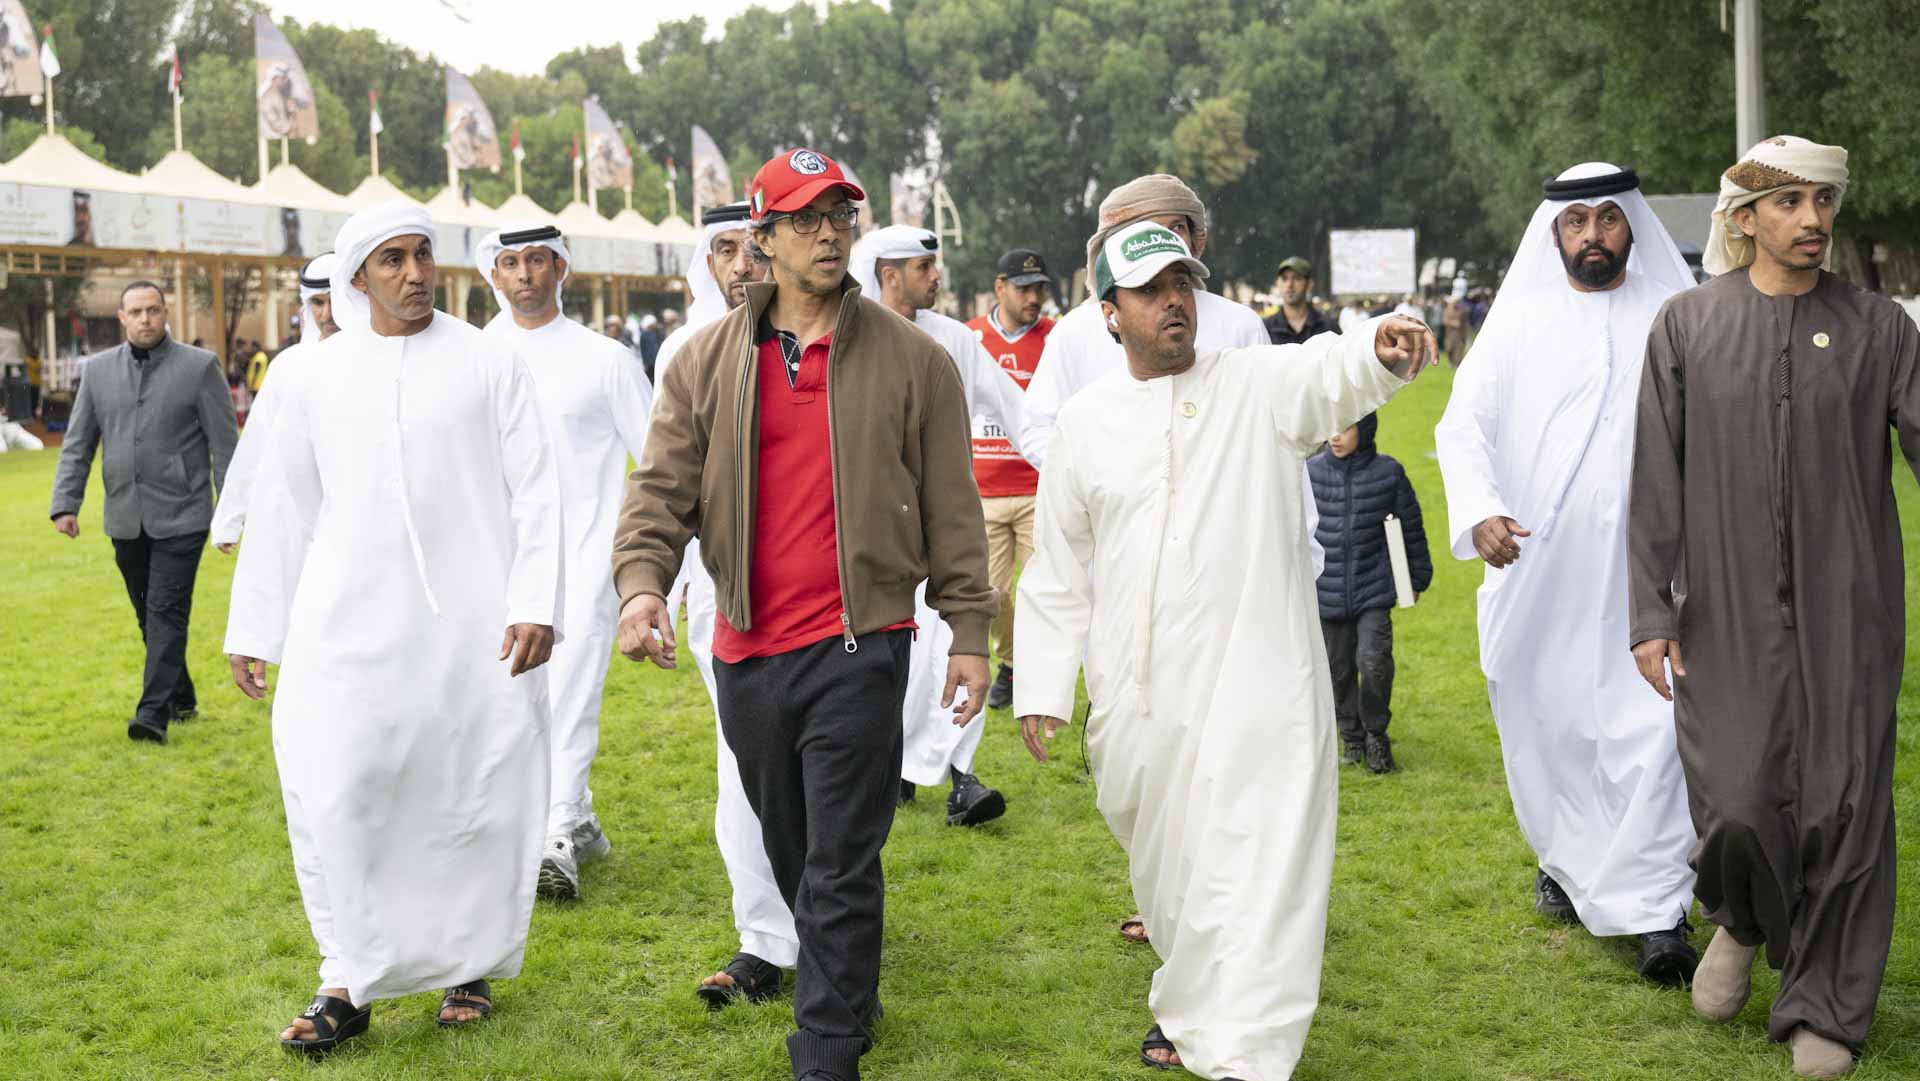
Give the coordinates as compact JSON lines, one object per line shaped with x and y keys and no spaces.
{"x":173,"y":79}
{"x":629,"y":191}
{"x":517,"y":188}
{"x":283,"y":150}
{"x":49,"y":95}
{"x":265,"y":162}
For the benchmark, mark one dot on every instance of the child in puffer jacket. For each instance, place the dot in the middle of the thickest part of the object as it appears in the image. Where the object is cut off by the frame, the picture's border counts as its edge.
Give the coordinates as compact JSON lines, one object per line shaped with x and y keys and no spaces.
{"x":1356,"y":487}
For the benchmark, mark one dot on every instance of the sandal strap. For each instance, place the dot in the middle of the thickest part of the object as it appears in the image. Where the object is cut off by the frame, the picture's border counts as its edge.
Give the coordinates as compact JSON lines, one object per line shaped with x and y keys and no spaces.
{"x":1156,"y":1041}
{"x":474,"y":994}
{"x":749,"y":973}
{"x":331,"y":1012}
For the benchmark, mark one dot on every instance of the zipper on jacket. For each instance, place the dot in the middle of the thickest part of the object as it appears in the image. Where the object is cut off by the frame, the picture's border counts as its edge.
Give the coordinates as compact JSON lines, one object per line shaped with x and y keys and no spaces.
{"x":744,"y":445}
{"x":1346,"y":482}
{"x":848,"y":299}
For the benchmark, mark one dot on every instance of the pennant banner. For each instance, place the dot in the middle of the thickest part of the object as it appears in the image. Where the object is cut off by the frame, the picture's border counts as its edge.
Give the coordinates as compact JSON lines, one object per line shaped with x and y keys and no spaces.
{"x":19,"y":53}
{"x":712,"y":181}
{"x":471,"y":137}
{"x":910,"y":199}
{"x":286,"y":104}
{"x":609,"y":163}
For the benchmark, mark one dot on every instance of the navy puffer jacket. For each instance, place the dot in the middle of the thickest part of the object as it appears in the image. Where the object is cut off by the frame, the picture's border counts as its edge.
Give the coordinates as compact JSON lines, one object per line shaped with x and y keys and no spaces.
{"x":1355,"y":494}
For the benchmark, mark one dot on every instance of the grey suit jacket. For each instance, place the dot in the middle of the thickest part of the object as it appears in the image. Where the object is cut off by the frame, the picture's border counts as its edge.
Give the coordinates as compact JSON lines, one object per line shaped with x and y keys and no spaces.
{"x":167,"y":426}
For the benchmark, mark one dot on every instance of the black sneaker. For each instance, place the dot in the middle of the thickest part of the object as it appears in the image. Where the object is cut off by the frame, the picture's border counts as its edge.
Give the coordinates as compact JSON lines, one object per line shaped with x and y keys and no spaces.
{"x":906,"y":794}
{"x":1551,"y":901}
{"x":1379,"y":754}
{"x":184,"y":713}
{"x":1353,"y":754}
{"x":1000,"y":695}
{"x":971,"y":803}
{"x":1666,"y":957}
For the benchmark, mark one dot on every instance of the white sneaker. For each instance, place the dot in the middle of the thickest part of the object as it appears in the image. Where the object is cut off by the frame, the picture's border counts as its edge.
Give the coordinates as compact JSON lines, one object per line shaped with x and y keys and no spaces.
{"x":559,"y":873}
{"x":589,"y":841}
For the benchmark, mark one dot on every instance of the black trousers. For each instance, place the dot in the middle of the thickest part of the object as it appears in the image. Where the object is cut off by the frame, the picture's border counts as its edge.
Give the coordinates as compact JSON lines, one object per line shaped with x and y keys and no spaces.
{"x":159,"y":573}
{"x":817,"y":735}
{"x":1360,"y":656}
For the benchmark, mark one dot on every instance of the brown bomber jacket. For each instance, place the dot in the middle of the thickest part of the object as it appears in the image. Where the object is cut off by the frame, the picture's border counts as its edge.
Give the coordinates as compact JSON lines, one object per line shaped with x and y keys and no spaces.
{"x":905,"y":504}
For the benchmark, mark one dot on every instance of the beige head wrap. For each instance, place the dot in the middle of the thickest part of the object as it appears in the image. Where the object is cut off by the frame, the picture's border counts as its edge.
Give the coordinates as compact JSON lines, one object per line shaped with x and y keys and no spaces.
{"x":1772,"y":164}
{"x":1145,"y":197}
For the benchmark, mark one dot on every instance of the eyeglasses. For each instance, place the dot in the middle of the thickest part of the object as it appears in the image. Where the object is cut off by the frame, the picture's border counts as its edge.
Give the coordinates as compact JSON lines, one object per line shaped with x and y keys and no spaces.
{"x":807,"y":222}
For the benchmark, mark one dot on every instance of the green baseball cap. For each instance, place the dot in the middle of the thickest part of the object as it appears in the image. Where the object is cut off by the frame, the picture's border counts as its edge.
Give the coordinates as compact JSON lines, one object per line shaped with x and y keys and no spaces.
{"x":1297,"y":265}
{"x":1132,"y":256}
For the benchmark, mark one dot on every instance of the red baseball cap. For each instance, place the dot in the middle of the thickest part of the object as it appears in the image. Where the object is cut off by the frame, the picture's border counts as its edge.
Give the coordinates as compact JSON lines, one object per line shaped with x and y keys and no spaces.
{"x":791,"y":180}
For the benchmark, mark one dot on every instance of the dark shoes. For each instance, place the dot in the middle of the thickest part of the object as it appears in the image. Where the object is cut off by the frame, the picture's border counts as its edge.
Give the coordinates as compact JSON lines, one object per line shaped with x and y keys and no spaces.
{"x":1352,"y":754}
{"x":1666,"y":957}
{"x":906,"y":794}
{"x":1000,"y":696}
{"x":749,"y":979}
{"x":1379,"y":754}
{"x":138,"y":729}
{"x":1551,"y":901}
{"x":971,"y":803}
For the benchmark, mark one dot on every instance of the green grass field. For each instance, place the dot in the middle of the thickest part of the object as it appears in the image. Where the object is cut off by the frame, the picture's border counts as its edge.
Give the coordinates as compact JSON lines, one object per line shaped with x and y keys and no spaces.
{"x":150,"y":926}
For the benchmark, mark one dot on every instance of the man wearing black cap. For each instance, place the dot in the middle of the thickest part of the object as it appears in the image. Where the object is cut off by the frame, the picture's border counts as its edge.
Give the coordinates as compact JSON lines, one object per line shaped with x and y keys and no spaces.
{"x":817,"y":444}
{"x":1297,"y":319}
{"x":1013,"y":333}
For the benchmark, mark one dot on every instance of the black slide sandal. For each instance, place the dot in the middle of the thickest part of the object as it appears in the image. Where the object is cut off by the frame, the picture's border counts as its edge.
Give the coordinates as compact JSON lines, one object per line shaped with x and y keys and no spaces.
{"x":334,"y":1021}
{"x":1157,"y":1041}
{"x":475,"y":995}
{"x":753,"y":979}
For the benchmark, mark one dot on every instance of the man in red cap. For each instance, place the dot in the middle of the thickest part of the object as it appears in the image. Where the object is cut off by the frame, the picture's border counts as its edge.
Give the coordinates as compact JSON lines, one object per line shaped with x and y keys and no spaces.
{"x":858,"y":423}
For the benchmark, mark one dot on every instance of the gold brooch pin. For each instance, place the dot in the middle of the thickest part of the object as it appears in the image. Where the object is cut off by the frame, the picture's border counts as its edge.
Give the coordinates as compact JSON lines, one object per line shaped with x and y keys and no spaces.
{"x":1187,"y":410}
{"x":1821,"y":341}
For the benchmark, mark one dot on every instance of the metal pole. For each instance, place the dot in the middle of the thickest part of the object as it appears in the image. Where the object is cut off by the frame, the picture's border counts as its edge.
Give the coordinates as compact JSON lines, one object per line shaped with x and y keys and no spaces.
{"x":179,"y":143}
{"x":373,"y":148}
{"x":1749,"y":84}
{"x":49,"y":96}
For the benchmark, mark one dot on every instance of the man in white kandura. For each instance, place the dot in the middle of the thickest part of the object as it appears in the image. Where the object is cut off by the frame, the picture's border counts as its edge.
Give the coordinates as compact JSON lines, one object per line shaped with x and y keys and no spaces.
{"x":725,"y":262}
{"x":1081,"y":349}
{"x":1168,"y":552}
{"x":596,"y":401}
{"x":897,"y":267}
{"x":316,"y":325}
{"x":1536,"y":448}
{"x":407,"y":510}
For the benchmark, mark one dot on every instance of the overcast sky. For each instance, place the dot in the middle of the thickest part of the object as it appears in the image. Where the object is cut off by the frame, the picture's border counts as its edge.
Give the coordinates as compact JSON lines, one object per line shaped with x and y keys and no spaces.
{"x":512,"y":35}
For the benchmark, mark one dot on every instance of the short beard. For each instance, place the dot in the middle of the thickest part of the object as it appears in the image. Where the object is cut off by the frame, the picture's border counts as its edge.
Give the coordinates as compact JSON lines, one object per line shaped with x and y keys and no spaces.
{"x":1596,"y":275}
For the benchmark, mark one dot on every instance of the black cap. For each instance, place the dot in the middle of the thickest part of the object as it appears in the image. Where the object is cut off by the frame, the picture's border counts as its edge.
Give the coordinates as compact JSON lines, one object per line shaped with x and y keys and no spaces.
{"x":1023,"y":267}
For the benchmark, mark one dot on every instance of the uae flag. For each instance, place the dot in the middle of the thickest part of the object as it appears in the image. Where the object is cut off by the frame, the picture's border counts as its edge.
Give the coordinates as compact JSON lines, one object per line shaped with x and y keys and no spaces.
{"x":373,"y":113}
{"x":49,"y":63}
{"x":519,"y":152}
{"x":173,"y":77}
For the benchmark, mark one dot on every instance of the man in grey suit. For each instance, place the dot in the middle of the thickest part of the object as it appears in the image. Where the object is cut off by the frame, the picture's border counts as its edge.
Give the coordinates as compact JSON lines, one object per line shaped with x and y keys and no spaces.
{"x":162,"y":410}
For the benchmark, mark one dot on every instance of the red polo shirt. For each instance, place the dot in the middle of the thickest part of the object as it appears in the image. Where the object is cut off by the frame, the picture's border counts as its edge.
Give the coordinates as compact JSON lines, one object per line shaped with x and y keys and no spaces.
{"x":795,"y":580}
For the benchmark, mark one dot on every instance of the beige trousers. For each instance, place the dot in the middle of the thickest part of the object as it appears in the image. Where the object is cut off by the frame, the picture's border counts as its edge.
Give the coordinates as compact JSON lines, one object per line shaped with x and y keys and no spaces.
{"x":1009,"y":542}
